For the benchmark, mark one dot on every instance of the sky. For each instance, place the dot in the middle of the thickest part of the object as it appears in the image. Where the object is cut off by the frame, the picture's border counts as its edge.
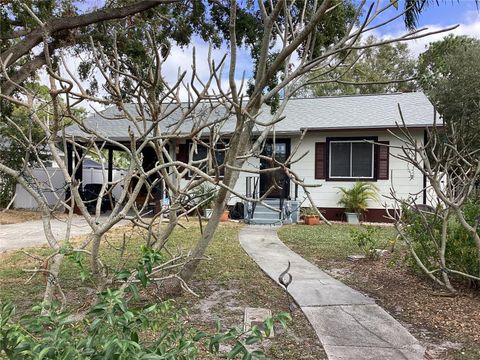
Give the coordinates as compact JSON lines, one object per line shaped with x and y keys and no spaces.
{"x":463,"y":13}
{"x":449,"y":13}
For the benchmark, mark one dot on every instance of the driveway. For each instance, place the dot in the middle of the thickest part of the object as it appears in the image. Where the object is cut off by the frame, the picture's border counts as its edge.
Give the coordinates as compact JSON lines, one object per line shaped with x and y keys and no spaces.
{"x":30,"y":233}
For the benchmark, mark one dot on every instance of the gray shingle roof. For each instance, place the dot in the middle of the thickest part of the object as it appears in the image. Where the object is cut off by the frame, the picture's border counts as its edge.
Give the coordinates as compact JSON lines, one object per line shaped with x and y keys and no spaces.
{"x":322,"y":113}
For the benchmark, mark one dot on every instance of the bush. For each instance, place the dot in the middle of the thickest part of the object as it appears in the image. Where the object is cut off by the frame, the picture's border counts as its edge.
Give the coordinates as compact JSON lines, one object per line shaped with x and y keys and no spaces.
{"x":113,"y":330}
{"x":461,"y":251}
{"x":367,"y":239}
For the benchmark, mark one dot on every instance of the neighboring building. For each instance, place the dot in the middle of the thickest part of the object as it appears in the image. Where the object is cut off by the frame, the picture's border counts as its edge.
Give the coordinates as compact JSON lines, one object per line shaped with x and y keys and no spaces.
{"x":335,"y":148}
{"x":52,"y":183}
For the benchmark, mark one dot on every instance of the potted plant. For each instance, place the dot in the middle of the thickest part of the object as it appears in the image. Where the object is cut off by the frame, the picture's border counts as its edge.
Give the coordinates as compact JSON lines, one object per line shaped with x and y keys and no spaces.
{"x":310,"y":216}
{"x":205,"y":195}
{"x":355,"y":199}
{"x":225,"y":216}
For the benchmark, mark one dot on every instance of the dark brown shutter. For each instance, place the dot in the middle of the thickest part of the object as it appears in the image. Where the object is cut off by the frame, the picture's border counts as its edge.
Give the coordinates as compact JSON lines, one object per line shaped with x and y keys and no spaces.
{"x":320,"y":161}
{"x":383,"y":171}
{"x":182,"y":155}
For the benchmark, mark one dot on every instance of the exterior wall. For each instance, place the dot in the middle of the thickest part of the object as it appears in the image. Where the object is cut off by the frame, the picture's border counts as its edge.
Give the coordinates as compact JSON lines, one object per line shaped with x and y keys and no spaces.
{"x":241,"y":185}
{"x":404,"y":179}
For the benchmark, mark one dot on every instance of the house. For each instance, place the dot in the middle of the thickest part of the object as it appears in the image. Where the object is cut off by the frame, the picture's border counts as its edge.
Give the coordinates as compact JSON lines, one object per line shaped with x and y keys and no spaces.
{"x":337,"y":149}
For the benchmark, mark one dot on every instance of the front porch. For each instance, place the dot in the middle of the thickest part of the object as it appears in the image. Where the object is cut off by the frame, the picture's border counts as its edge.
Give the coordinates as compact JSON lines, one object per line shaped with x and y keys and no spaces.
{"x":278,"y":206}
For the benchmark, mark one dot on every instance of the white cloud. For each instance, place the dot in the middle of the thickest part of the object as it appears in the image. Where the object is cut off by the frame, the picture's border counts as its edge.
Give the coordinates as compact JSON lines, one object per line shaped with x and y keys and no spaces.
{"x":470,"y":27}
{"x":179,"y":60}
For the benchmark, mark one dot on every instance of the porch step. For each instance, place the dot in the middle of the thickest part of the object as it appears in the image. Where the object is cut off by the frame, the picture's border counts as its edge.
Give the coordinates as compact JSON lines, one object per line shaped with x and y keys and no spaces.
{"x":266,"y":214}
{"x":264,"y":221}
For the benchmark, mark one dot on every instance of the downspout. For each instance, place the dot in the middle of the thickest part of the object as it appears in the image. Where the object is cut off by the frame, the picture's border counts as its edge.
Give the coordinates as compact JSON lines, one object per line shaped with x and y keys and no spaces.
{"x":425,"y":139}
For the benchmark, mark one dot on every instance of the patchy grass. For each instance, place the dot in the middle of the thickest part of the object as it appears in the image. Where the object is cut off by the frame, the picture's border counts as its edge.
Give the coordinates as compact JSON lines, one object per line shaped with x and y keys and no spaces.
{"x":326,"y":243}
{"x":226,"y":283}
{"x":446,"y":325}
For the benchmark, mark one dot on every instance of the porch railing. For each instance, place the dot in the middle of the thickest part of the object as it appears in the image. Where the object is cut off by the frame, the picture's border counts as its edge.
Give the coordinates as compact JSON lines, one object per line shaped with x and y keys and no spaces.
{"x":252,"y":191}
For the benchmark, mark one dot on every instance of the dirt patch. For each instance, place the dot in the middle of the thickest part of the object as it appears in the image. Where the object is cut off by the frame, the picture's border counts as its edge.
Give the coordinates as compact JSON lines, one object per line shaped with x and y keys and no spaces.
{"x":448,"y":326}
{"x":226,"y":302}
{"x":20,"y":216}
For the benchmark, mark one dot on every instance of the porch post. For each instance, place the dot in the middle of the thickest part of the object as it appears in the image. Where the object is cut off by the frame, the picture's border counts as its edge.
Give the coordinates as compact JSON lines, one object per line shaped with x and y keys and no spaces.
{"x":79,"y":167}
{"x":110,"y":165}
{"x":68,"y":154}
{"x":69,"y":160}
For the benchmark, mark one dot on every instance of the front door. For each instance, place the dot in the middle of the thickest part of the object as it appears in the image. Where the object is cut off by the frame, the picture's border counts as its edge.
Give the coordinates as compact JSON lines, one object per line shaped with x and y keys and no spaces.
{"x":278,"y":180}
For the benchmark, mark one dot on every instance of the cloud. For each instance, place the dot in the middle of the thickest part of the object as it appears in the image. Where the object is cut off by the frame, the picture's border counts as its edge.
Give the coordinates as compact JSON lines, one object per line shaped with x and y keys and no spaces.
{"x":179,"y":60}
{"x":470,"y":27}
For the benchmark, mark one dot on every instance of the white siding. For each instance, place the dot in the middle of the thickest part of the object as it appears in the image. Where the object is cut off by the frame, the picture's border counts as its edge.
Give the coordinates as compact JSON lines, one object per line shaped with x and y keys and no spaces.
{"x":406,"y":180}
{"x":241,"y":185}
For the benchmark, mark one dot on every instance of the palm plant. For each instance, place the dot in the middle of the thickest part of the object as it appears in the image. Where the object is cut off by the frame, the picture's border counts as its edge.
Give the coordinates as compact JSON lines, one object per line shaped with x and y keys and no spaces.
{"x":355,"y":199}
{"x":205,"y":195}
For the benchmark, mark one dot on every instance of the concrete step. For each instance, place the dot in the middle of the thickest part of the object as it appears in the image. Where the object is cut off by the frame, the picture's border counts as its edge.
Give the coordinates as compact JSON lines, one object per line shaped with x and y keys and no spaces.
{"x":271,"y":202}
{"x":264,"y":221}
{"x":264,"y":208}
{"x":266,"y":214}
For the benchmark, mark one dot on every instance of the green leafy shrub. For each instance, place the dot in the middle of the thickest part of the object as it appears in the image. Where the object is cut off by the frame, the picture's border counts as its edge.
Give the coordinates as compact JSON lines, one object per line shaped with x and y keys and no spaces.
{"x":205,"y":194}
{"x":309,"y":211}
{"x":368,"y":240}
{"x":461,"y":251}
{"x":113,"y":330}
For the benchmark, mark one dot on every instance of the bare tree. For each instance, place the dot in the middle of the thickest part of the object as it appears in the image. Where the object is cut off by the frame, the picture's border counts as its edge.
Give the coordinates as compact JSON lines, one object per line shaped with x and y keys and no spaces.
{"x":156,"y":118}
{"x":452,"y":172}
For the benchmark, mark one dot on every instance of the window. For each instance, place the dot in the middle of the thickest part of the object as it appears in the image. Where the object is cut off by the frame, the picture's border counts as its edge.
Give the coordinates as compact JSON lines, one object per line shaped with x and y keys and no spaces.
{"x":351,"y":159}
{"x":203,"y":161}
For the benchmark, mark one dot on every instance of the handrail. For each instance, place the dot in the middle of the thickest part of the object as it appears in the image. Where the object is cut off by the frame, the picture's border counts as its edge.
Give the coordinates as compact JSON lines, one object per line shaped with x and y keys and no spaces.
{"x":251,"y":191}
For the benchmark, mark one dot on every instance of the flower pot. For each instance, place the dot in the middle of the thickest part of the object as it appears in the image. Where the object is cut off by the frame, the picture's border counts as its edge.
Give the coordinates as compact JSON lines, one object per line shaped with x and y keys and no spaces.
{"x":225,"y":216}
{"x":207,"y":213}
{"x":311,"y":219}
{"x":352,"y":218}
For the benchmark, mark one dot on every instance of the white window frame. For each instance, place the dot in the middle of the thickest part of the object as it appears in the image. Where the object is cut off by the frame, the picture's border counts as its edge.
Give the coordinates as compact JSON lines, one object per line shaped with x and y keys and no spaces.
{"x":330,"y":176}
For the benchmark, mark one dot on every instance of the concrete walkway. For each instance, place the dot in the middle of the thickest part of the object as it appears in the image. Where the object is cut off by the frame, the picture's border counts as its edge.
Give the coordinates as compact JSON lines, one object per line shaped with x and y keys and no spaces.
{"x":30,"y":233}
{"x":349,"y":324}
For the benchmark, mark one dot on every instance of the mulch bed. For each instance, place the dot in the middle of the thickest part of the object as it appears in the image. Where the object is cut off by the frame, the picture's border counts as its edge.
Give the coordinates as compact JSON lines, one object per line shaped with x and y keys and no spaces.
{"x":448,"y":325}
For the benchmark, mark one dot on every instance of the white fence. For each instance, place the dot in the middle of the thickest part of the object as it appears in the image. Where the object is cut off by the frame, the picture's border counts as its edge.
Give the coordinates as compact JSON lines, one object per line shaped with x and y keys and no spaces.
{"x":51,"y":185}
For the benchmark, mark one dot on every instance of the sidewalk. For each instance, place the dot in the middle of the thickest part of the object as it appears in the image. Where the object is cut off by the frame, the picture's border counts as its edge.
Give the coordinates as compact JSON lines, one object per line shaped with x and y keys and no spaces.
{"x":349,"y":324}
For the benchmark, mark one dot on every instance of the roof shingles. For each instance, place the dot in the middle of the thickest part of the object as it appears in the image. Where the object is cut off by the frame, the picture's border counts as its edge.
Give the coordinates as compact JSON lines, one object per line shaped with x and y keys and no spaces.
{"x":333,"y":112}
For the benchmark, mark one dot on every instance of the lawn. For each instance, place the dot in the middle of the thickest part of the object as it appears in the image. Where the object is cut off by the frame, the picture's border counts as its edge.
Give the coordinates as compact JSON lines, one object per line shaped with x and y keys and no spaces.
{"x":326,"y":243}
{"x":446,"y":325}
{"x":227,"y":283}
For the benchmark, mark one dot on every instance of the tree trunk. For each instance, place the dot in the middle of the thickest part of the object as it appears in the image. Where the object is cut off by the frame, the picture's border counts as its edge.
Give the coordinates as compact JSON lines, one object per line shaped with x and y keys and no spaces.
{"x":52,"y":282}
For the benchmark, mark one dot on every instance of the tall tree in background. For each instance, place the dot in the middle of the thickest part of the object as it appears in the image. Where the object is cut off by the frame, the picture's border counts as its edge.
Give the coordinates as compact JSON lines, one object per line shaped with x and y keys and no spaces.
{"x":384,"y":69}
{"x":70,"y":26}
{"x":22,"y":141}
{"x":449,"y":73}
